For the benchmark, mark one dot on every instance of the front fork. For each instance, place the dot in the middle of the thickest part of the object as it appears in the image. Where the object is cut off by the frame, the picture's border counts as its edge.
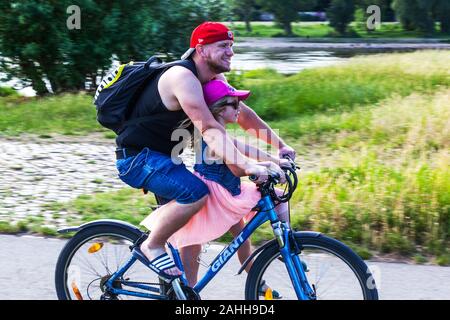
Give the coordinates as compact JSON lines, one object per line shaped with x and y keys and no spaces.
{"x":290,"y":252}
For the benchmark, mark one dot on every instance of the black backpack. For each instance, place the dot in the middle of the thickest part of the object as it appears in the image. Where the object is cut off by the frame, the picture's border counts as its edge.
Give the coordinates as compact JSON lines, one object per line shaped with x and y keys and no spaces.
{"x":118,"y":92}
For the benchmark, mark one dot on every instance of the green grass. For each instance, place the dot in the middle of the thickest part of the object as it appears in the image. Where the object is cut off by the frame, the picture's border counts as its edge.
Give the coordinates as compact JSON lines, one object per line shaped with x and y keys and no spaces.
{"x":126,"y":204}
{"x":361,"y":81}
{"x":8,"y":227}
{"x":420,"y":259}
{"x":443,"y":260}
{"x":30,"y":224}
{"x":44,"y":230}
{"x":14,"y":228}
{"x":8,"y":92}
{"x":68,"y":114}
{"x":323,"y":30}
{"x":388,"y":188}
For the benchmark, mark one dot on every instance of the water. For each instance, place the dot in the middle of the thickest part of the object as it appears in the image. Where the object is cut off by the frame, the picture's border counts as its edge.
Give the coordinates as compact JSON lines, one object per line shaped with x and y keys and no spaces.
{"x":285,"y":62}
{"x":291,"y":55}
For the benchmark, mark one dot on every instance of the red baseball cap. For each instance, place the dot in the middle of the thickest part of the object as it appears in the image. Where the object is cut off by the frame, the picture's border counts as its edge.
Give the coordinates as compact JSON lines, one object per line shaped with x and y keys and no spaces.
{"x":215,"y":90}
{"x":206,"y":33}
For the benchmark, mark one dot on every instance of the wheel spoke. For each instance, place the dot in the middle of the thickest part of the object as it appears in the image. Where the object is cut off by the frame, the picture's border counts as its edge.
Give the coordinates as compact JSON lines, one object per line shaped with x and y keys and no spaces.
{"x":334,"y":272}
{"x":93,"y":260}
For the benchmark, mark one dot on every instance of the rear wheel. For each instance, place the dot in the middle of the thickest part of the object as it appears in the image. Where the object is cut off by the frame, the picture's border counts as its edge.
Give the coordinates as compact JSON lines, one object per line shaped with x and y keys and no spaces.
{"x":333,"y":270}
{"x":90,"y":258}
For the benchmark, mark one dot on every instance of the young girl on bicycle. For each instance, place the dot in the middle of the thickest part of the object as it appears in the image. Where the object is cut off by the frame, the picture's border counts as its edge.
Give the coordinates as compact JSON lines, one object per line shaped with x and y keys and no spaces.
{"x":228,"y":206}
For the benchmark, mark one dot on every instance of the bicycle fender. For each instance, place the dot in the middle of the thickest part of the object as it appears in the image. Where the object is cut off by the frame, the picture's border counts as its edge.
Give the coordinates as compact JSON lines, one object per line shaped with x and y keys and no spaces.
{"x":311,"y":234}
{"x":108,"y":222}
{"x":255,"y":253}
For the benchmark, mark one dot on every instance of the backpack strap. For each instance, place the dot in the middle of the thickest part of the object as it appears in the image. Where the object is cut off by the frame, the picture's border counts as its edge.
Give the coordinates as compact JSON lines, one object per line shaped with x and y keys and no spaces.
{"x":188,"y":64}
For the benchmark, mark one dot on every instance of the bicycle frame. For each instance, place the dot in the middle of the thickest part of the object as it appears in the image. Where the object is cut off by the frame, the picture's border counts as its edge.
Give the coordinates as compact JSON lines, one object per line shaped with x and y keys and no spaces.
{"x":264,"y":213}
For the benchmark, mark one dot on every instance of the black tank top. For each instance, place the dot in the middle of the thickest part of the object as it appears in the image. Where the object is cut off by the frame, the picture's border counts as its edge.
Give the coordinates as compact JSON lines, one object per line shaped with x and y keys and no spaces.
{"x":156,"y":133}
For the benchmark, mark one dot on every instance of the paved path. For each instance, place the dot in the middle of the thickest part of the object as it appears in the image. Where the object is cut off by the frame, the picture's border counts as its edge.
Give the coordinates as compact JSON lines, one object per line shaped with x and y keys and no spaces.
{"x":27,"y":272}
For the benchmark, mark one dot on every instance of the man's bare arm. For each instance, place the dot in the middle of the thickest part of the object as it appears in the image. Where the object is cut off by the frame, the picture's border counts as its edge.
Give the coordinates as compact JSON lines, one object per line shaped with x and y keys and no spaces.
{"x":188,"y":91}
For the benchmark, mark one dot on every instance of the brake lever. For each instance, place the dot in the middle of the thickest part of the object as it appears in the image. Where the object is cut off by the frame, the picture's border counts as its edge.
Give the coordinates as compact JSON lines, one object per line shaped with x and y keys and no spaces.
{"x":291,"y":161}
{"x":276,"y":179}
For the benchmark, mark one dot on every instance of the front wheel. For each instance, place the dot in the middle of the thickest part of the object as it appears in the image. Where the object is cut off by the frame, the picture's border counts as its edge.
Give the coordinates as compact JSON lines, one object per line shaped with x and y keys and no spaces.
{"x":332,"y":269}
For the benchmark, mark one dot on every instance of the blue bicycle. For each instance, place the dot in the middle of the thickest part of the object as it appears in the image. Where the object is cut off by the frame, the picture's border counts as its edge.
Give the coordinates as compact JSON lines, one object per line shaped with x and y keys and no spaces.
{"x":97,"y":262}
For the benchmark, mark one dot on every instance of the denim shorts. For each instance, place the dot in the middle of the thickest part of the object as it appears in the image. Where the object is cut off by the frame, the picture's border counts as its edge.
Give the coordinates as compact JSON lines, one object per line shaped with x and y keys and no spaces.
{"x":157,"y":173}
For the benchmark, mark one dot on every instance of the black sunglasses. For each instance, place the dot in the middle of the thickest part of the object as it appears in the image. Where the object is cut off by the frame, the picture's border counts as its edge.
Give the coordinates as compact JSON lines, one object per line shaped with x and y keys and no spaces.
{"x":234,"y":104}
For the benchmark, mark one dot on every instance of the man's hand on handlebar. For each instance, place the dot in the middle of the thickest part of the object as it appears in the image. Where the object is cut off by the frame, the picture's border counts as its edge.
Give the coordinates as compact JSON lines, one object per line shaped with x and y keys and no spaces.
{"x":274,"y":170}
{"x":258,"y":174}
{"x":287,"y":151}
{"x":285,"y":163}
{"x":268,"y":174}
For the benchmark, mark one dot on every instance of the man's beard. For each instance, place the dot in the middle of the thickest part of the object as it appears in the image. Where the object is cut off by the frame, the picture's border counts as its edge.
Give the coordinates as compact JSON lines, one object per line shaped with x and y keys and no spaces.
{"x":217,"y":68}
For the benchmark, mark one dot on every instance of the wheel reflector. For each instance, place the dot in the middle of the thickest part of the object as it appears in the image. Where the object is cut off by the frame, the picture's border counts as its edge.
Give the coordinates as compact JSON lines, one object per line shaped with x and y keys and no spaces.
{"x":268,"y":294}
{"x":76,"y":291}
{"x":95,"y":247}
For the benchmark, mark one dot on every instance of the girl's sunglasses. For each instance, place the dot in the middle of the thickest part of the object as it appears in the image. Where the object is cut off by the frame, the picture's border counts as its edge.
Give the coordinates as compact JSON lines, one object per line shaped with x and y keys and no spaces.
{"x":234,"y":104}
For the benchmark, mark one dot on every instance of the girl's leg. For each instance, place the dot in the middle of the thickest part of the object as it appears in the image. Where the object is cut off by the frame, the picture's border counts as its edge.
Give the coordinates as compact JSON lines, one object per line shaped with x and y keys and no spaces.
{"x":189,"y":256}
{"x":282,"y":209}
{"x":246,"y":248}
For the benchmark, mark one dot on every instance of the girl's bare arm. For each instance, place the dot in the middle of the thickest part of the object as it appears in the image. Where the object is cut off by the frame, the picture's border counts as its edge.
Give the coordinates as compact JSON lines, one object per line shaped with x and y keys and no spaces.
{"x":255,"y":153}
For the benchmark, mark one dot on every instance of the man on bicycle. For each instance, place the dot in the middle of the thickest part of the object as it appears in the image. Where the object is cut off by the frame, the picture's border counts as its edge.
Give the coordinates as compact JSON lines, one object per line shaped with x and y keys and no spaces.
{"x":144,"y":151}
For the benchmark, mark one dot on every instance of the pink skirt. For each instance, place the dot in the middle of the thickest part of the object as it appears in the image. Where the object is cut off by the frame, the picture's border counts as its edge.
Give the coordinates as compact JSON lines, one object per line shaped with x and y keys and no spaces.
{"x":216,"y":217}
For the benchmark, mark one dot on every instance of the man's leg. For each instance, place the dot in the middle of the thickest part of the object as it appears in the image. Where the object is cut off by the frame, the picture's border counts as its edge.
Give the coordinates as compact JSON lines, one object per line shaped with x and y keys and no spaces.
{"x":189,"y":256}
{"x":170,"y":218}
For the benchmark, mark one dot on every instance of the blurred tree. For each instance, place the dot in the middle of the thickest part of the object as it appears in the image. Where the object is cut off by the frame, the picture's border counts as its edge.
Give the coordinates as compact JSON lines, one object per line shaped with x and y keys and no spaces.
{"x":387,"y":13}
{"x":287,"y":11}
{"x":441,"y":12}
{"x":341,"y":13}
{"x":208,"y":10}
{"x":24,"y":27}
{"x":37,"y":46}
{"x":244,"y":9}
{"x":361,"y":18}
{"x":415,"y":14}
{"x":322,"y":5}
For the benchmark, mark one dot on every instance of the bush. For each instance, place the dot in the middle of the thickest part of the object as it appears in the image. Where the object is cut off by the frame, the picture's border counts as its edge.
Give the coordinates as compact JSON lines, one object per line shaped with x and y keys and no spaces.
{"x":443,"y":260}
{"x":6,"y":91}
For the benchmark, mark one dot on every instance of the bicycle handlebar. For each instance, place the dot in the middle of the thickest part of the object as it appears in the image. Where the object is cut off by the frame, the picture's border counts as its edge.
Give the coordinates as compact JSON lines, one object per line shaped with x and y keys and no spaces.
{"x":274,"y":179}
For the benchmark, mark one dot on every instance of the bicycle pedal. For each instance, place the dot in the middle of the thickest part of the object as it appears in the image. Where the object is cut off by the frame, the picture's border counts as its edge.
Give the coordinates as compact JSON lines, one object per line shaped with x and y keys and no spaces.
{"x":305,"y":266}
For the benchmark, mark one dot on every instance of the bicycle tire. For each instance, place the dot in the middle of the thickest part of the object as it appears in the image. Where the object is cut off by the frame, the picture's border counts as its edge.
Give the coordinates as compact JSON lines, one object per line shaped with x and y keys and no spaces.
{"x":306,"y":240}
{"x":75,"y":242}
